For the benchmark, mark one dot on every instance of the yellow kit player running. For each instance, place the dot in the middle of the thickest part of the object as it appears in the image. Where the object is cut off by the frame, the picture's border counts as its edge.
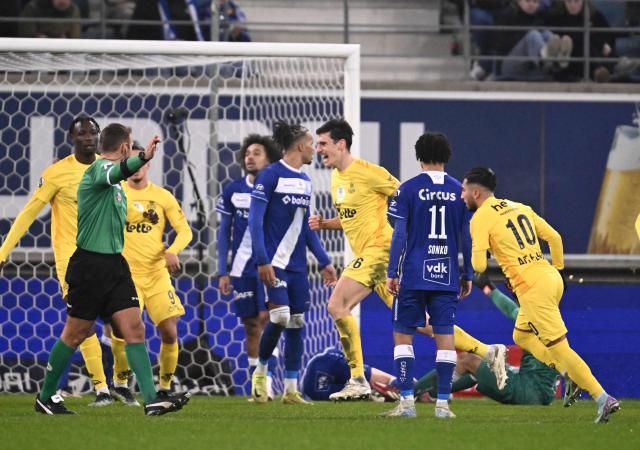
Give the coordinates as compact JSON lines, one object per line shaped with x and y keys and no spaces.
{"x":511,"y":232}
{"x":59,"y":187}
{"x":150,"y":262}
{"x":359,"y":190}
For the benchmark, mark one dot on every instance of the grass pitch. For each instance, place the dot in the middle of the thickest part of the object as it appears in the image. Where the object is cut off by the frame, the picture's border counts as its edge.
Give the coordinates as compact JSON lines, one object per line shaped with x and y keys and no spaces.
{"x":233,"y":423}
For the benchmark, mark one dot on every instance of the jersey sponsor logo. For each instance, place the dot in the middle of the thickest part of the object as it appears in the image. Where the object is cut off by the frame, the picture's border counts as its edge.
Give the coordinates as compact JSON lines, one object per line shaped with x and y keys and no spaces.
{"x":293,"y":186}
{"x":426,"y":194}
{"x":347,"y":213}
{"x":503,"y":204}
{"x":241,"y":200}
{"x":437,"y":270}
{"x":138,"y":227}
{"x":296,"y":201}
{"x":340,"y":194}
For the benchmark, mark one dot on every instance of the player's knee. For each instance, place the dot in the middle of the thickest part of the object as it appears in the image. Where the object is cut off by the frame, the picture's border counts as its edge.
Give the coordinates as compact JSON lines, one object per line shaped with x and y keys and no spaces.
{"x":251,"y":326}
{"x":135,"y":333}
{"x":296,"y":321}
{"x":335,"y":309}
{"x":280,"y":315}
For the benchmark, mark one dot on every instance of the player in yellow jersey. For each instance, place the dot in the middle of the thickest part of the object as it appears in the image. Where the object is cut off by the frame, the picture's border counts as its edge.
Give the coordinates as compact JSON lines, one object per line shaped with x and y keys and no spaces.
{"x":59,"y":187}
{"x":511,"y":232}
{"x":359,"y":190}
{"x":151,"y":262}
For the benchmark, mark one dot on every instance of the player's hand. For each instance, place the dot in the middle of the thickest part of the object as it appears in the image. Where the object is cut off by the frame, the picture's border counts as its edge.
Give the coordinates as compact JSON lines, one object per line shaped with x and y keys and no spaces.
{"x":151,"y":216}
{"x":329,"y":276}
{"x":150,"y":150}
{"x":315,"y":222}
{"x":173,"y":263}
{"x":465,"y":288}
{"x":224,"y":284}
{"x":393,"y":285}
{"x":267,"y":275}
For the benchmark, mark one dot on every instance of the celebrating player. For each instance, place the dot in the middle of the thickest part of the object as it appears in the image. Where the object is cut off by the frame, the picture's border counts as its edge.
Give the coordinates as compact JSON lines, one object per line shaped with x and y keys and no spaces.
{"x":359,"y":190}
{"x":278,"y":217}
{"x":151,"y":262}
{"x":249,"y":303}
{"x":59,"y":187}
{"x":99,"y":280}
{"x":431,"y":224}
{"x":511,"y":232}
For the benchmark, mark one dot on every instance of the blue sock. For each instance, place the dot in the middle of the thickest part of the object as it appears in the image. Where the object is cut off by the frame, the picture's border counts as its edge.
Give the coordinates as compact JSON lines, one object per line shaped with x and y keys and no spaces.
{"x":272,"y":364}
{"x":293,"y":349}
{"x":445,"y":363}
{"x":403,"y":363}
{"x":269,"y":341}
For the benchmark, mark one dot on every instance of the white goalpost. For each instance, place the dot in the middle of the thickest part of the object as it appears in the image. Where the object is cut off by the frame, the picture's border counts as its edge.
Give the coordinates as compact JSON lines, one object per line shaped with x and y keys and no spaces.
{"x":202,"y":98}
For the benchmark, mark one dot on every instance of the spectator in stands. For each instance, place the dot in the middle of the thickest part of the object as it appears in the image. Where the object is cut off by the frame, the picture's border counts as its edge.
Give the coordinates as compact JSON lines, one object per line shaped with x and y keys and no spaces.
{"x":482,"y":13}
{"x":169,"y":11}
{"x":232,"y":20}
{"x":538,"y":46}
{"x":570,"y":13}
{"x":120,"y":10}
{"x":54,"y":9}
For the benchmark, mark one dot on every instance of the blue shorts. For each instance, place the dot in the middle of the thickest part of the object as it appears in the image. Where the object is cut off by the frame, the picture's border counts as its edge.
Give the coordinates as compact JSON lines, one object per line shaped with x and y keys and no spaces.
{"x":409,"y":308}
{"x":248,"y":296}
{"x":292,"y":289}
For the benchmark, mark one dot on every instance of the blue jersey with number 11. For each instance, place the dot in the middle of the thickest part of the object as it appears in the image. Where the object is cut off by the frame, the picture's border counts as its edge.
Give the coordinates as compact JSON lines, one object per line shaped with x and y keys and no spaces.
{"x":437,"y":229}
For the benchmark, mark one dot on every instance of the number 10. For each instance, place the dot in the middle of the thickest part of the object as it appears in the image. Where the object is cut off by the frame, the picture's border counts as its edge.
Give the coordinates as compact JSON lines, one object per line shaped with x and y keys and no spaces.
{"x":434,"y":219}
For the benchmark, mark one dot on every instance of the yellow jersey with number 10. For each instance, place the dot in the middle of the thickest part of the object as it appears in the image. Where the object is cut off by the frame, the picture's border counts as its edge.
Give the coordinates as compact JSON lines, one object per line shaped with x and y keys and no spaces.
{"x":511,"y":231}
{"x":360,"y":195}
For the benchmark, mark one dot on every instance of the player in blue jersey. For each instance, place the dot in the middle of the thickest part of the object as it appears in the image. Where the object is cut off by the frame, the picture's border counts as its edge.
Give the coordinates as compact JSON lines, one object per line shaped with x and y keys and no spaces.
{"x":328,"y":371}
{"x":278,"y":222}
{"x":431,"y":225}
{"x":249,"y":305}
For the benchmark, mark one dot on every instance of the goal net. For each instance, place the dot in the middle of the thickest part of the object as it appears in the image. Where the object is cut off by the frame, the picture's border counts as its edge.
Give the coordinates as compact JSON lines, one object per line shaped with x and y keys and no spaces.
{"x":202,"y":99}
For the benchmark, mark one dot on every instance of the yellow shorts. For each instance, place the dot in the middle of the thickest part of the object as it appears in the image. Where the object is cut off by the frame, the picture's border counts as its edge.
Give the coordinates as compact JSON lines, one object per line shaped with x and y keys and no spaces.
{"x":539,"y":306}
{"x":157,"y":294}
{"x":370,"y":270}
{"x":61,"y":273}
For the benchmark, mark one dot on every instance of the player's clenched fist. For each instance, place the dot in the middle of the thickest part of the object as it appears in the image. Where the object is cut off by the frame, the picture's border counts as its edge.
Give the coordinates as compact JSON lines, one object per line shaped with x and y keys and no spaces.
{"x":315,"y":222}
{"x":329,"y":276}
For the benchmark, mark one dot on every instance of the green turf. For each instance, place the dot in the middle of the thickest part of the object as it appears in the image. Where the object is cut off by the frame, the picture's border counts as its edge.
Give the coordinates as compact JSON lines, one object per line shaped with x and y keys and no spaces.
{"x":220,"y":423}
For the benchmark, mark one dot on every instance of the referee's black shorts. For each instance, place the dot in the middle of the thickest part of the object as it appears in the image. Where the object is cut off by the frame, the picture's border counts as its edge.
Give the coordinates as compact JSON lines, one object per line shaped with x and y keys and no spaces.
{"x":99,"y":285}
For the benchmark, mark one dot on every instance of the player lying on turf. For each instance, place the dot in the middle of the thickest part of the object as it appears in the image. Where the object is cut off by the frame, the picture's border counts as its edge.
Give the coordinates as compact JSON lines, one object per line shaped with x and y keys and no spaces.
{"x":533,"y":383}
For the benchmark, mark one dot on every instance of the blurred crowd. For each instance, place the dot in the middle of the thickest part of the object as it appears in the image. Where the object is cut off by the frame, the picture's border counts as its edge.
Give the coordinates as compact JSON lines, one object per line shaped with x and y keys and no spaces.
{"x":550,"y":39}
{"x":181,"y":19}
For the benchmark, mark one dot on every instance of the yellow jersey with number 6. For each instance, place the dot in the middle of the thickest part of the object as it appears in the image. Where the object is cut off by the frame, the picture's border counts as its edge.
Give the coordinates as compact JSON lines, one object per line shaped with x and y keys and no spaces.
{"x":360,"y":195}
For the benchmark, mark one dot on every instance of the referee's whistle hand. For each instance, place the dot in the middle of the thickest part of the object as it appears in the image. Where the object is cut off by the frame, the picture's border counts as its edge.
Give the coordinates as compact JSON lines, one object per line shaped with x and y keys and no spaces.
{"x":150,"y":151}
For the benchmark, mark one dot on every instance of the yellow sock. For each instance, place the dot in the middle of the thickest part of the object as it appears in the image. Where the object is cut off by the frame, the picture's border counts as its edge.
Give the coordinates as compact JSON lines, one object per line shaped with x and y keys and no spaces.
{"x":351,"y":345}
{"x":577,"y":369}
{"x":168,"y":362}
{"x":92,"y":354}
{"x":120,"y":364}
{"x":530,"y":342}
{"x":467,"y":343}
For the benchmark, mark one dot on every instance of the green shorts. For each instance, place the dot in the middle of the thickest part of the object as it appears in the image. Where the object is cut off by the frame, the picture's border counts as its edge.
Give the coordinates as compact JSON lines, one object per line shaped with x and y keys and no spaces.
{"x":521,"y":388}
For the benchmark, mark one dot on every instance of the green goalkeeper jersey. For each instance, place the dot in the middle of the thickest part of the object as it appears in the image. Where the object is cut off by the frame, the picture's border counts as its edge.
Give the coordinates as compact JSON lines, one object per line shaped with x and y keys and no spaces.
{"x":102,"y":206}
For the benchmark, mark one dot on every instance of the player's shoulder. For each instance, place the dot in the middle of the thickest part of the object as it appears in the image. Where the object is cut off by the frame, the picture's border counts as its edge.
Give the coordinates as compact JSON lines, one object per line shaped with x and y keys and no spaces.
{"x":452,"y":181}
{"x":235,"y":186}
{"x":160,"y":192}
{"x":59,"y":167}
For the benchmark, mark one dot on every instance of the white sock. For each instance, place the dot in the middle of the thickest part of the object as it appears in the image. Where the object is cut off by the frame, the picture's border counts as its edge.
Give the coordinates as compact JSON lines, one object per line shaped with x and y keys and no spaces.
{"x":290,"y":385}
{"x":269,"y":386}
{"x":103,"y":390}
{"x":261,"y":368}
{"x":407,"y":399}
{"x":252,"y":361}
{"x":120,"y":385}
{"x":442,"y":404}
